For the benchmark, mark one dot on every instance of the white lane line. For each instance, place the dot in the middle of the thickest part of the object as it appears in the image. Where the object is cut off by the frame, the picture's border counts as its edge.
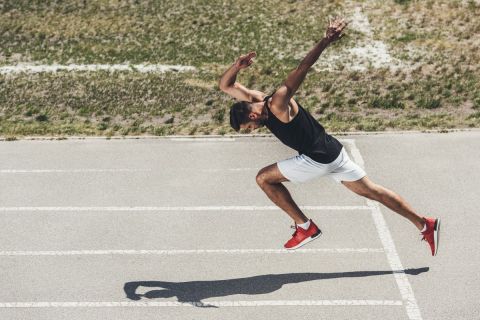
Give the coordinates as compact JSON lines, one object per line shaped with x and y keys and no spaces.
{"x":188,"y":252}
{"x":401,"y":278}
{"x":202,"y":139}
{"x":142,"y":68}
{"x":6,"y":171}
{"x":230,"y":169}
{"x":199,"y":208}
{"x":14,"y":171}
{"x":355,"y":152}
{"x":261,"y":303}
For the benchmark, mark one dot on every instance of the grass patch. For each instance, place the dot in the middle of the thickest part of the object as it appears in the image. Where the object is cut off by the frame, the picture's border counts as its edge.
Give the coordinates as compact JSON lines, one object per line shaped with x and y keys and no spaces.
{"x":409,"y":36}
{"x":134,"y":104}
{"x":428,"y":103}
{"x":475,"y":115}
{"x":41,"y":118}
{"x":438,"y":87}
{"x":390,"y":101}
{"x":193,"y":33}
{"x":402,"y":1}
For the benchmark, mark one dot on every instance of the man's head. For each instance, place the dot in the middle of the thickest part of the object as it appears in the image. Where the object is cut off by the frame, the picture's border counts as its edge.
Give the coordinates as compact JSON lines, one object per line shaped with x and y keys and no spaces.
{"x":246,"y":115}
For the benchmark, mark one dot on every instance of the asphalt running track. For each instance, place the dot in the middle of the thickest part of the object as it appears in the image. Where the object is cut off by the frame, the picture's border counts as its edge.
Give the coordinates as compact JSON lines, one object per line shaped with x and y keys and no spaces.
{"x":178,"y":228}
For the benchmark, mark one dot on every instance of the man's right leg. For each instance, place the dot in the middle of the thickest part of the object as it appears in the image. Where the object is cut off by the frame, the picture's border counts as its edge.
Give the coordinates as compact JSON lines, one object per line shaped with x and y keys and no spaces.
{"x":270,"y":181}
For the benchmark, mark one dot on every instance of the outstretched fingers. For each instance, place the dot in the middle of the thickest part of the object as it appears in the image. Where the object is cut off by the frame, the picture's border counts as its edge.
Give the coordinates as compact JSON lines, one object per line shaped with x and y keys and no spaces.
{"x":246,"y":60}
{"x":335,"y":28}
{"x":250,"y":57}
{"x":339,"y":23}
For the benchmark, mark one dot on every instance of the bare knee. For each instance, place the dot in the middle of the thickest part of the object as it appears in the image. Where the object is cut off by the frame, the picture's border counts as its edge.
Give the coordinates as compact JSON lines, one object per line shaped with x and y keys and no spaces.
{"x":269,"y":175}
{"x":366,"y":188}
{"x":262,"y":178}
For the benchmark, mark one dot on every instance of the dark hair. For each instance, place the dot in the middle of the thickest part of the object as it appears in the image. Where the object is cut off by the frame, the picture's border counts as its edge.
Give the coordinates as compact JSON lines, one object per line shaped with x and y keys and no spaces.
{"x":239,"y":112}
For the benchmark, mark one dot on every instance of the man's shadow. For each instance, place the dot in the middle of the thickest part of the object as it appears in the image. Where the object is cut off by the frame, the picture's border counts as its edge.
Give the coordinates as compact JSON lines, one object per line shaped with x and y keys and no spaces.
{"x":193,"y":292}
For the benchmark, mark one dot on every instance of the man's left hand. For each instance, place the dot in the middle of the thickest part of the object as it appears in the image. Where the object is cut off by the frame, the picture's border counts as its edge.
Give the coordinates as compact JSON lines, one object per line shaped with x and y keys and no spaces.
{"x":335,"y":29}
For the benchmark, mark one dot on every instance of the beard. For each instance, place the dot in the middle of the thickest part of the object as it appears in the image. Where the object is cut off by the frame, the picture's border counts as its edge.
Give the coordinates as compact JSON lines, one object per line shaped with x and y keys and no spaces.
{"x":262,"y":122}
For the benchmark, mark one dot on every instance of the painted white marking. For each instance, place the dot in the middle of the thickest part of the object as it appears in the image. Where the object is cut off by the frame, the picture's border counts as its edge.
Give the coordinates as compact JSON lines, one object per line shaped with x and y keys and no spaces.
{"x":70,"y":170}
{"x":143,"y":68}
{"x":367,"y":53}
{"x":202,"y":139}
{"x":360,"y":22}
{"x":401,"y":278}
{"x":230,"y":169}
{"x":261,"y":303}
{"x":206,"y":208}
{"x":355,"y":153}
{"x":375,"y":53}
{"x":12,"y":171}
{"x":188,"y":252}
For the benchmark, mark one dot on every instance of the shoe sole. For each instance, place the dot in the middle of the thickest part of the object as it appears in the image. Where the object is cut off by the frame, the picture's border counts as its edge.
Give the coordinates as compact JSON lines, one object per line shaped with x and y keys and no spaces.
{"x":307,"y":240}
{"x":436,"y":235}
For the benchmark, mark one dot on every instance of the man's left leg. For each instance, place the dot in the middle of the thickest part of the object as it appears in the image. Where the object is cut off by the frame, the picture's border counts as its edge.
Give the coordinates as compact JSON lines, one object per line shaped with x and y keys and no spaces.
{"x":366,"y":188}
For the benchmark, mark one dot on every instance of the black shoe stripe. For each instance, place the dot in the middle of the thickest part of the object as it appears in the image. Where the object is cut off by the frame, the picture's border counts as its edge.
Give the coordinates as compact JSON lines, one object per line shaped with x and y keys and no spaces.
{"x":319,"y":232}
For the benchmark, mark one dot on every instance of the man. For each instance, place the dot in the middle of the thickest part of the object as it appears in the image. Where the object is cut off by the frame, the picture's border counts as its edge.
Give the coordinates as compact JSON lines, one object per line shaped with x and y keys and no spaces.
{"x":319,"y":153}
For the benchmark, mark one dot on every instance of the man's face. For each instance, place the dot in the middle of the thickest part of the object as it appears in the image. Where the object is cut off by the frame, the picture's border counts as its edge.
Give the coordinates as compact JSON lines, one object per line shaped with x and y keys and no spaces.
{"x":253,"y":125}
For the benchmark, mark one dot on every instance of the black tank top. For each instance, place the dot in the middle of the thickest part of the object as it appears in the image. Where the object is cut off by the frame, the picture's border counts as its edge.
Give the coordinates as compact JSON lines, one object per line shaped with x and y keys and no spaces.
{"x":304,"y":134}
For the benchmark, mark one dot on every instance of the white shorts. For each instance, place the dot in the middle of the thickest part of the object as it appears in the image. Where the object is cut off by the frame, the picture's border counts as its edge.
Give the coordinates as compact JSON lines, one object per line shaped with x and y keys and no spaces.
{"x":302,"y":168}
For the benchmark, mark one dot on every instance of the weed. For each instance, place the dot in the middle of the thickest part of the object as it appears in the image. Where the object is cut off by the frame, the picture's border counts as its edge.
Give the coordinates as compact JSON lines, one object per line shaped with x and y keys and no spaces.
{"x":428,"y":103}
{"x":475,"y":115}
{"x":476,"y":103}
{"x":408,"y":37}
{"x":390,"y":101}
{"x":102,"y":126}
{"x":41,"y":118}
{"x":222,"y":131}
{"x":441,"y":66}
{"x":352,"y":102}
{"x":219,"y":116}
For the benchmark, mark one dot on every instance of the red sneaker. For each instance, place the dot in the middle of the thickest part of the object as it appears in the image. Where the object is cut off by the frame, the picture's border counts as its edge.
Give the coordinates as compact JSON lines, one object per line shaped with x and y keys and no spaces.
{"x":301,"y":236}
{"x":432,"y":234}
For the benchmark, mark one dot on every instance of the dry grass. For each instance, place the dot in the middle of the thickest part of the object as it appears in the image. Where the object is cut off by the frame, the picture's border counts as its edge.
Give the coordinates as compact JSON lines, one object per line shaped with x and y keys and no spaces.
{"x":437,"y":86}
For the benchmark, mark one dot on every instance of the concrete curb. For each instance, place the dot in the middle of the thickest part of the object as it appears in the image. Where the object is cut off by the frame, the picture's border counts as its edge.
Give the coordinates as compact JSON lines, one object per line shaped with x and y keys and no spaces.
{"x":231,"y":136}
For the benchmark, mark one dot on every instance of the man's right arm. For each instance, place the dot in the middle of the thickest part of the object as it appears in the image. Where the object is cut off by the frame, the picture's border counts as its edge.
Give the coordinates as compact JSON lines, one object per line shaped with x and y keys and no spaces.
{"x":230,"y":86}
{"x":282,"y":96}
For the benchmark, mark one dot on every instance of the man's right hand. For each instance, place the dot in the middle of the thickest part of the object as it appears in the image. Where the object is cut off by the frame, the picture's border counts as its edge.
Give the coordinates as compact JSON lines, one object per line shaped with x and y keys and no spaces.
{"x":229,"y":84}
{"x":245,"y":60}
